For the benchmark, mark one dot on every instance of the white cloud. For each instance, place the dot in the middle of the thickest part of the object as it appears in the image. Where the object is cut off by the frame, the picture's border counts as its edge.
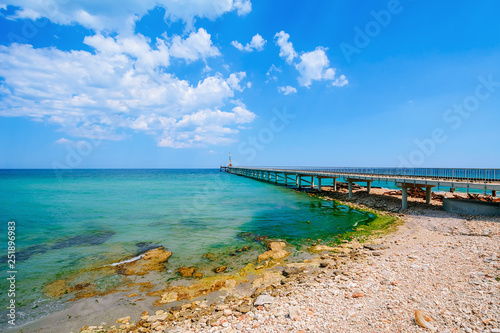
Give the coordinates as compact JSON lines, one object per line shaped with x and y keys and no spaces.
{"x":123,"y":87}
{"x":136,"y":46}
{"x":340,"y":82}
{"x":270,"y":73}
{"x":197,"y":46}
{"x":234,"y":80}
{"x":314,"y":66}
{"x":256,"y":44}
{"x":243,"y":7}
{"x":287,"y":90}
{"x":238,"y":45}
{"x":120,"y":16}
{"x":286,"y":48}
{"x":206,"y":126}
{"x":64,"y":141}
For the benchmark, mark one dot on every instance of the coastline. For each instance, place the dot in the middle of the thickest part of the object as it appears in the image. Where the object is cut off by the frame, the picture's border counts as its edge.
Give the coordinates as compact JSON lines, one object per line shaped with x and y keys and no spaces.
{"x":380,"y":288}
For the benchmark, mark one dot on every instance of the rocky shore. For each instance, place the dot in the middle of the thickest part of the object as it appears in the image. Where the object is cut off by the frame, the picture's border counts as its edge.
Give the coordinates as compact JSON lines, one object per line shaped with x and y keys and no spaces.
{"x":438,"y":272}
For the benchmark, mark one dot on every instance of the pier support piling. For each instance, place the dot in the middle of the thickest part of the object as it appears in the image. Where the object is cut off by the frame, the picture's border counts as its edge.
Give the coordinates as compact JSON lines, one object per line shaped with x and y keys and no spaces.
{"x":300,"y":181}
{"x":350,"y":189}
{"x":428,"y":194}
{"x":493,"y":193}
{"x":368,"y":187}
{"x":335,"y":184}
{"x":404,"y":190}
{"x":319,"y":183}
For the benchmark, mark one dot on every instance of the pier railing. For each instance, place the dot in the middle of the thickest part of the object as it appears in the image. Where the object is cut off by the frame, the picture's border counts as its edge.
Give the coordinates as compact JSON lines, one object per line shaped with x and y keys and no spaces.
{"x":452,"y":174}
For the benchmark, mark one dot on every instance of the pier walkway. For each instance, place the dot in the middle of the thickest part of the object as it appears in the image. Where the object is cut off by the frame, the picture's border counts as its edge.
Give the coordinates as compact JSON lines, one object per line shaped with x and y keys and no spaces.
{"x":404,"y":178}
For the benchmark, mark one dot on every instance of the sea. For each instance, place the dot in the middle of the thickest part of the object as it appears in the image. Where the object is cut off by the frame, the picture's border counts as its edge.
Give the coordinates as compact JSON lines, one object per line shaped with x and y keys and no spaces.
{"x":72,"y":221}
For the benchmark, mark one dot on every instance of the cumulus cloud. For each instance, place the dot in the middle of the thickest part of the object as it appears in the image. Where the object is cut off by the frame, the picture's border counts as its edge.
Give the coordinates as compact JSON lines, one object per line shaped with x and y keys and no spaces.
{"x":205,"y":127}
{"x":286,"y":48}
{"x":121,"y":16}
{"x":314,"y":66}
{"x":135,"y":46}
{"x":235,"y":79}
{"x":120,"y":88}
{"x":256,"y":44}
{"x":243,"y":7}
{"x":197,"y":46}
{"x":340,"y":81}
{"x":287,"y":90}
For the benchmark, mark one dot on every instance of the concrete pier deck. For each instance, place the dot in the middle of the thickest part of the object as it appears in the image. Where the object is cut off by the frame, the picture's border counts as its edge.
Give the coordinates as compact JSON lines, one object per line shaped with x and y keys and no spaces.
{"x":426,"y":178}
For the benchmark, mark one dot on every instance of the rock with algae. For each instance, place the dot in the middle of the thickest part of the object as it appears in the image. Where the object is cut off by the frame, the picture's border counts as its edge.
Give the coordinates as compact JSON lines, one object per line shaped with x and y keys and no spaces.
{"x":276,"y":250}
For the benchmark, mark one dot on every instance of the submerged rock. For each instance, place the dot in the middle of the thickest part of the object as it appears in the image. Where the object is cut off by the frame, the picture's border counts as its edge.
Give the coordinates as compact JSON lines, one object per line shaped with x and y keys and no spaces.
{"x":220,"y":269}
{"x":245,"y":248}
{"x":60,"y":287}
{"x":186,"y":271}
{"x":276,"y":251}
{"x":211,"y":256}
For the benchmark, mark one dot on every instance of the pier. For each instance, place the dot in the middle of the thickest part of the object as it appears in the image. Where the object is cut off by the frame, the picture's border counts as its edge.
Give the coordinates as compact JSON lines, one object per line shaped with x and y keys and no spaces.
{"x":425,"y":178}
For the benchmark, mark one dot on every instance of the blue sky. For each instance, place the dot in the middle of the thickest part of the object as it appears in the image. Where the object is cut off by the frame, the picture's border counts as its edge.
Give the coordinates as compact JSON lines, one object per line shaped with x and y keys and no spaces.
{"x":171,"y":84}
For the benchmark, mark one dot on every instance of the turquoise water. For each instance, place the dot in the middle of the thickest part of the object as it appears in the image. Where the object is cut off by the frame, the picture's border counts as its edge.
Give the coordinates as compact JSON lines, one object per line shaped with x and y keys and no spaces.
{"x":82,"y":219}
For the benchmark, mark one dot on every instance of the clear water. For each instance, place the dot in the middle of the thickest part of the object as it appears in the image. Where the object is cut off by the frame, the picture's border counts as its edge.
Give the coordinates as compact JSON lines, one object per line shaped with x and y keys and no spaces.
{"x":82,"y":219}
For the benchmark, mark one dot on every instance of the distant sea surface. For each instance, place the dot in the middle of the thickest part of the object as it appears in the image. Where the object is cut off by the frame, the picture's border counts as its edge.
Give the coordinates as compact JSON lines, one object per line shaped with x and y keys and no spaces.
{"x":82,"y":219}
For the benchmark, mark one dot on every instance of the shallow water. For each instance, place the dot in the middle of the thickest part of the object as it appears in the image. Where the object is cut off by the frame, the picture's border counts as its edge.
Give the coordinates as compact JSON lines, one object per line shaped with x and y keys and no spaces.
{"x":82,"y":219}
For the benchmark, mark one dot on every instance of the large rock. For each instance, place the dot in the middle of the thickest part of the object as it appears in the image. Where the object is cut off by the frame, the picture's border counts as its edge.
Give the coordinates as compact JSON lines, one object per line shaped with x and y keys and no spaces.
{"x":160,"y":317}
{"x":169,"y":297}
{"x":263,"y":299}
{"x":276,"y":251}
{"x":152,"y":260}
{"x":186,"y":271}
{"x":291,"y":271}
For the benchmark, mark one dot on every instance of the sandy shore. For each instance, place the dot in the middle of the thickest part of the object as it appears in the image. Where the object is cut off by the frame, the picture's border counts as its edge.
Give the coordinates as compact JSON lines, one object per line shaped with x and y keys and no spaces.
{"x":445,"y":265}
